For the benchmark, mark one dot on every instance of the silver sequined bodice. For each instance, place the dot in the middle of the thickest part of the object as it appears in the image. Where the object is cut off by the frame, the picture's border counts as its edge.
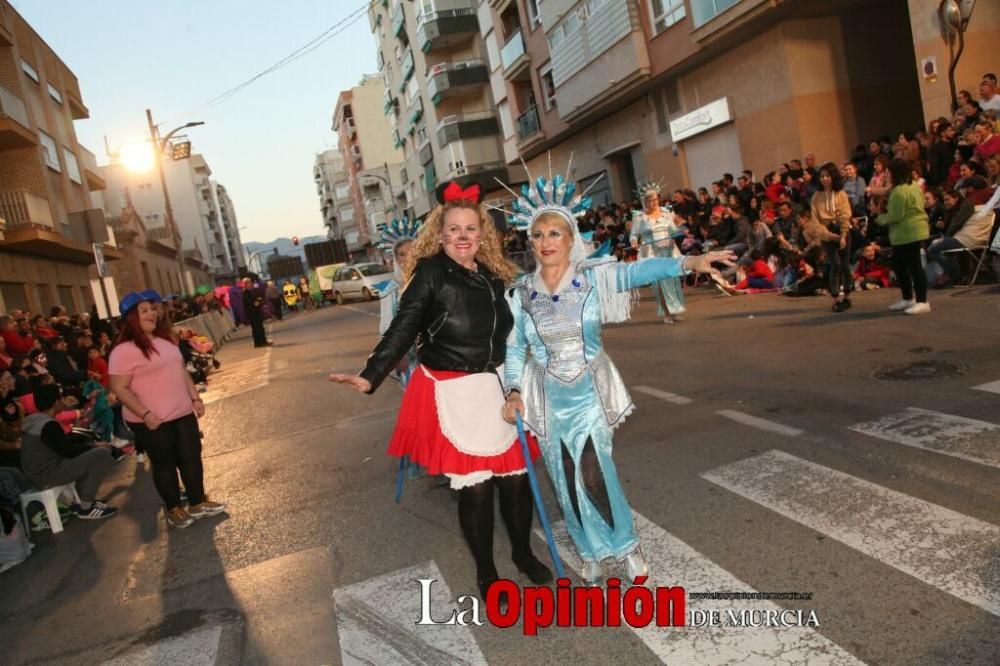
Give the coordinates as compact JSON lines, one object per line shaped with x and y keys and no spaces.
{"x":559,"y":321}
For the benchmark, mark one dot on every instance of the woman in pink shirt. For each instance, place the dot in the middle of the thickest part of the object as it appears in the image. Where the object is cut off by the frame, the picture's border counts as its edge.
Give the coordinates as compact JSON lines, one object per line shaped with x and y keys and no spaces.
{"x":161,"y":405}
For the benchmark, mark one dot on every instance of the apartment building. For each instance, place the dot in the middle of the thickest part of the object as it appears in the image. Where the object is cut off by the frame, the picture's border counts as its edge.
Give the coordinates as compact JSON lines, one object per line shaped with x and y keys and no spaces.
{"x":231,"y":228}
{"x":435,"y":69}
{"x":331,"y":180}
{"x":372,"y":161}
{"x":45,"y":176}
{"x":684,"y":90}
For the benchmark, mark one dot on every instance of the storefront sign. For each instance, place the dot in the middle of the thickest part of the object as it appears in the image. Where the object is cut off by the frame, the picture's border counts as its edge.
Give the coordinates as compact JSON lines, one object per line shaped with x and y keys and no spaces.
{"x":701,"y":119}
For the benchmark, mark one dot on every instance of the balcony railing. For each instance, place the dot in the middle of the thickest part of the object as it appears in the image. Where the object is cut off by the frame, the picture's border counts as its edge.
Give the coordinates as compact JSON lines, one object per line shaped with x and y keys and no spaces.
{"x":445,"y":28}
{"x":467,"y":125}
{"x":472,"y":169}
{"x":406,"y":67}
{"x":22,"y":208}
{"x":527,"y":123}
{"x":449,"y":75}
{"x":398,"y":20}
{"x":11,"y":106}
{"x":512,"y":50}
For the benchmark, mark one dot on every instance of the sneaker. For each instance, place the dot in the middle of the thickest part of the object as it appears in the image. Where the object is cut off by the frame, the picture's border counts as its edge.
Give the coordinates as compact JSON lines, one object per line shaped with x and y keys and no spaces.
{"x":918,"y":308}
{"x":177,"y":517}
{"x":140,"y":458}
{"x":902,"y":305}
{"x":40,"y":522}
{"x":668,"y":320}
{"x":206,"y":508}
{"x":592,"y":574}
{"x":96,"y":511}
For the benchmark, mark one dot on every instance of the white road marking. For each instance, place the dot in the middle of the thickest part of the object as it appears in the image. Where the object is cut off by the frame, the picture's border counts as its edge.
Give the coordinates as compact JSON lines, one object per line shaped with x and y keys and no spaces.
{"x":756,"y":422}
{"x":669,"y":556}
{"x":941,"y":547}
{"x":195,"y":648}
{"x":992,"y":387}
{"x":957,"y":436}
{"x":377,"y":620}
{"x":663,"y":395}
{"x":367,"y":312}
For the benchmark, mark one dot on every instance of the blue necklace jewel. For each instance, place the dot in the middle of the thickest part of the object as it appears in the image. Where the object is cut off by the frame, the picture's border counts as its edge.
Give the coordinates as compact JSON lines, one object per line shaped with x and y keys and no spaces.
{"x":534,"y":295}
{"x":555,"y":298}
{"x":576,"y":283}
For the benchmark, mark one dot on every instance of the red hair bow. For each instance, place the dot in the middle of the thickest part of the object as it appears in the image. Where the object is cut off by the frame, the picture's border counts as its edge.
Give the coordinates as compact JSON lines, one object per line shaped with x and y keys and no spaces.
{"x":454,"y":192}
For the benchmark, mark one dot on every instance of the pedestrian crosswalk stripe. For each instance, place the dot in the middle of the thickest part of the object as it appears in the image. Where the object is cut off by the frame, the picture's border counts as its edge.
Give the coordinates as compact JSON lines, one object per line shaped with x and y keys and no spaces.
{"x":197,"y":647}
{"x":759,"y":423}
{"x":377,"y":622}
{"x":957,"y":436}
{"x":663,"y":395}
{"x":673,"y":562}
{"x":992,"y":387}
{"x":941,"y":547}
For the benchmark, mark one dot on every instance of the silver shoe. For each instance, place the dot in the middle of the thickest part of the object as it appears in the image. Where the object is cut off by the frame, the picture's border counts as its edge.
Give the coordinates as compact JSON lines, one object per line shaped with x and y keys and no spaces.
{"x":592,"y":574}
{"x":635,"y":565}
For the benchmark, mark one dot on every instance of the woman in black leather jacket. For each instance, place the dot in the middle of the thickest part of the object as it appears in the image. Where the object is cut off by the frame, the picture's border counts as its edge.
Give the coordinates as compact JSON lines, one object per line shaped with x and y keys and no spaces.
{"x":450,"y":422}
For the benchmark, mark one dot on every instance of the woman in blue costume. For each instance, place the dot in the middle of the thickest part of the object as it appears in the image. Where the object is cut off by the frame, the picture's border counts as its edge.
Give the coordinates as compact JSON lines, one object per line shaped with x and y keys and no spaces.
{"x":653,"y":232}
{"x":559,"y":377}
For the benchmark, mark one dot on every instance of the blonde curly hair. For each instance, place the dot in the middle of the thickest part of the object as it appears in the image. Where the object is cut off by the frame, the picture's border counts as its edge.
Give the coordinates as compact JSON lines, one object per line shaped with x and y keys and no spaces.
{"x":490,"y":254}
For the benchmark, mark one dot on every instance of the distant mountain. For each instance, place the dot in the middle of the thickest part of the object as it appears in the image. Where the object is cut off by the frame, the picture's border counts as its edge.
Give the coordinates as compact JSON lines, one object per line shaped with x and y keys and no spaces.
{"x":284,"y":246}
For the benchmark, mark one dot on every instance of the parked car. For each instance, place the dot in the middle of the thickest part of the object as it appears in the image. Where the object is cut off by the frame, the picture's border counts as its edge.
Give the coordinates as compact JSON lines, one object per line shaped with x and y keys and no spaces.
{"x":359,"y":281}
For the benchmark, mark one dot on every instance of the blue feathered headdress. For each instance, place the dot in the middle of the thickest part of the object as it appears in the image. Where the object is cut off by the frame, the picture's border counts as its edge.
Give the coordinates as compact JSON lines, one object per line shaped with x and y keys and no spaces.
{"x":398,"y":230}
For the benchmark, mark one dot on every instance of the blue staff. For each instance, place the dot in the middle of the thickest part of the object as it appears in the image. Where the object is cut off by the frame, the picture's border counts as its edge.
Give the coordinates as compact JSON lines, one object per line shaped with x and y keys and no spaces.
{"x":402,"y":461}
{"x":556,"y":560}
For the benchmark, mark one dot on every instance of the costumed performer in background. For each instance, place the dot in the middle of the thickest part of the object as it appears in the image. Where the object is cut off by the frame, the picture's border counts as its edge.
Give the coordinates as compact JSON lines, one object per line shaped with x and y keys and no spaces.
{"x":653,"y":232}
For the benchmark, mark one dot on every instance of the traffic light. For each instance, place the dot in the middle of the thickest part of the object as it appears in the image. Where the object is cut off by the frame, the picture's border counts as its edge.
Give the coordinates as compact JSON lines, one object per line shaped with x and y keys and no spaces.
{"x":295,"y":240}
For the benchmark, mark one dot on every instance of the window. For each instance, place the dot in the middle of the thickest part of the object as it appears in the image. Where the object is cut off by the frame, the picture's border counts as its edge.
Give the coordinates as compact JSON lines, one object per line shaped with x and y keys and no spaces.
{"x":14,"y":296}
{"x":30,"y":71}
{"x":66,"y":297}
{"x":548,"y":87}
{"x":49,"y":151}
{"x":568,"y":26}
{"x":44,"y":296}
{"x":703,"y":11}
{"x":54,"y":94}
{"x":593,"y":6}
{"x":666,"y":13}
{"x":667,"y":101}
{"x":505,"y":122}
{"x":72,"y":168}
{"x":533,"y":16}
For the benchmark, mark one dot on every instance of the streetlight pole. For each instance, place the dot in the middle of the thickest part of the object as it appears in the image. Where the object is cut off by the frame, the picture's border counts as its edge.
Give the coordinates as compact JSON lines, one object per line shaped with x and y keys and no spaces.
{"x":159,"y":145}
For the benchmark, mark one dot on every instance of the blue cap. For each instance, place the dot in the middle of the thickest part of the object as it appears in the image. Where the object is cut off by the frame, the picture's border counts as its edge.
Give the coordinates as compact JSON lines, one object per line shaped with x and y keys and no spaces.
{"x":133,"y":298}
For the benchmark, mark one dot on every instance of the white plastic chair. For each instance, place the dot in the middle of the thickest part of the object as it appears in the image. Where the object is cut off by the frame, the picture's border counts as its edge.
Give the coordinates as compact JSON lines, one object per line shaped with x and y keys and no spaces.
{"x":48,"y":498}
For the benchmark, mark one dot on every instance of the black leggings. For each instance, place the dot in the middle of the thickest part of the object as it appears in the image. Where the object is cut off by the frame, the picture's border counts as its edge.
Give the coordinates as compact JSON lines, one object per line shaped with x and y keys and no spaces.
{"x":475,"y":514}
{"x":910,"y":271}
{"x":175,"y":445}
{"x":841,"y":279}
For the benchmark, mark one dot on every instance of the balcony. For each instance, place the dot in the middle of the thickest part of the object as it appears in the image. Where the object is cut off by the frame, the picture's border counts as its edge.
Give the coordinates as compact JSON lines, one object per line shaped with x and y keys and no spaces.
{"x":349,"y":127}
{"x":30,"y":230}
{"x":399,"y":21}
{"x":451,"y":80}
{"x":426,"y":153}
{"x":391,"y":102}
{"x":15,"y":130}
{"x":446,"y":28}
{"x":484,"y":175}
{"x":416,"y":111}
{"x":406,"y":68}
{"x":515,"y":58}
{"x":90,"y":170}
{"x":529,"y":130}
{"x":468,"y":125}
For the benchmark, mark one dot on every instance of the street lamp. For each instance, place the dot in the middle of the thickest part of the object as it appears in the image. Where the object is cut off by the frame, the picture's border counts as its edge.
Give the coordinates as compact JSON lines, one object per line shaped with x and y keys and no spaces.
{"x":161,"y":145}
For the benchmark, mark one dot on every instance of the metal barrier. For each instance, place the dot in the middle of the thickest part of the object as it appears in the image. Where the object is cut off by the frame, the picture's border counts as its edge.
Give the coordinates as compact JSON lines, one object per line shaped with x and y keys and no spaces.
{"x":216,"y":326}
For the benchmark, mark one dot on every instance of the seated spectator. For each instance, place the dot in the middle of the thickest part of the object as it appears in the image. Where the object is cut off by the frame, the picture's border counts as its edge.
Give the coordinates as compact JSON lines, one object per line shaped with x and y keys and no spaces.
{"x":993,"y":171}
{"x":41,"y":329}
{"x":879,"y":185}
{"x":808,"y":269}
{"x":988,"y":143}
{"x":854,"y":187}
{"x":813,"y":233}
{"x":758,"y":275}
{"x":966,"y":229}
{"x":976,"y":190}
{"x":97,"y":367}
{"x":941,"y":155}
{"x":934,"y":205}
{"x":62,"y":367}
{"x":17,"y":334}
{"x":50,"y":458}
{"x":5,"y":358}
{"x":989,"y":100}
{"x":870,"y":273}
{"x":11,"y":421}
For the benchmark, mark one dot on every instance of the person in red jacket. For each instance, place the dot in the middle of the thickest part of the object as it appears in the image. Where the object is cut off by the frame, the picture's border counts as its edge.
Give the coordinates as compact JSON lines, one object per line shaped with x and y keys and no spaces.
{"x":869,"y":273}
{"x":97,"y":367}
{"x":18,"y":342}
{"x":759,"y":275}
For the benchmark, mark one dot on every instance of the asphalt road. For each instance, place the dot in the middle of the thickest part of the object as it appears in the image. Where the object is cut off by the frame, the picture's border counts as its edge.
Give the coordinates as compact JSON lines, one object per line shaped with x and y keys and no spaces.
{"x":776,"y":447}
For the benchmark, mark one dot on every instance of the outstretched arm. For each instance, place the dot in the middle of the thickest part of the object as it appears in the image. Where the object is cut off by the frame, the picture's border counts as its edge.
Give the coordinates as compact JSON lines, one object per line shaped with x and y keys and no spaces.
{"x":647,"y":271}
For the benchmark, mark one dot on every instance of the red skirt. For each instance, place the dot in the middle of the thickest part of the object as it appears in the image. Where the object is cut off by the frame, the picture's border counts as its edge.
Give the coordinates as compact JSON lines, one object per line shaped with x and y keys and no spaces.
{"x":418,"y":434}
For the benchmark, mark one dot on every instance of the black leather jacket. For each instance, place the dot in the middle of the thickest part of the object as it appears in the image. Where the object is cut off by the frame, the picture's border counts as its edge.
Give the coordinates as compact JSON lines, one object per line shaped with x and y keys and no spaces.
{"x":457,"y":317}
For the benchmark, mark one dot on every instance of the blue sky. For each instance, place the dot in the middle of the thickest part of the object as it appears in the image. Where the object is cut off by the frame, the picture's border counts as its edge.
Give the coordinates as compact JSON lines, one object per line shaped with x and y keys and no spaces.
{"x":172,"y":57}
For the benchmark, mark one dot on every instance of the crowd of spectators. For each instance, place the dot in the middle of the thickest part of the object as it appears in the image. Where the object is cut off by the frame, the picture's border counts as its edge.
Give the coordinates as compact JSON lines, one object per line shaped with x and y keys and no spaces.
{"x":782,"y":237}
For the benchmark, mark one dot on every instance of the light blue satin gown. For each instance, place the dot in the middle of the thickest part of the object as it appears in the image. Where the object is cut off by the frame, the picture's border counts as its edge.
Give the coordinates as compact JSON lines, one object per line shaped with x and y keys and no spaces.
{"x":572,"y":391}
{"x":656,"y":240}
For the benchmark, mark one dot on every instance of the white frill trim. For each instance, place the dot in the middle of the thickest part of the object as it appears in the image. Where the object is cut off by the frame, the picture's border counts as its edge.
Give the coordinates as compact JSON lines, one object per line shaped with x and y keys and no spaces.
{"x":616,"y":303}
{"x":459,"y":481}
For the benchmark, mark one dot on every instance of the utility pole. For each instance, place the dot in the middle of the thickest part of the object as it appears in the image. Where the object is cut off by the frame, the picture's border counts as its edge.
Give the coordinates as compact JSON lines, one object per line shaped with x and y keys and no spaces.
{"x":154,"y":135}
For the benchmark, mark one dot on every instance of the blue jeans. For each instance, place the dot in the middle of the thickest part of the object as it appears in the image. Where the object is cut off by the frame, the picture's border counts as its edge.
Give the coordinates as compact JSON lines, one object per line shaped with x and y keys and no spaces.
{"x":947,"y":260}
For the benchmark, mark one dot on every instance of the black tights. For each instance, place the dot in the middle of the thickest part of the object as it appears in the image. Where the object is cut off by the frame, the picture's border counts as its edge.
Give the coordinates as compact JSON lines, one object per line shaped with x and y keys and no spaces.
{"x":175,"y":445}
{"x":910,"y":271}
{"x":475,"y":514}
{"x":593,"y":482}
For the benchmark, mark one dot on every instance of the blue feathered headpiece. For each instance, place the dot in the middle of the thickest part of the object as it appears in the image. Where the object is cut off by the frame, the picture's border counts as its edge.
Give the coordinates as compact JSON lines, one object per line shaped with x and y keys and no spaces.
{"x":538,"y":195}
{"x":398,"y":230}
